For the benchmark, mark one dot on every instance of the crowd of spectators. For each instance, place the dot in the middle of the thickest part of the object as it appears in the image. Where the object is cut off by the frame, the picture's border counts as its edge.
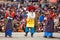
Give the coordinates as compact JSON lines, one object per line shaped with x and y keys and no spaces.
{"x":20,"y":13}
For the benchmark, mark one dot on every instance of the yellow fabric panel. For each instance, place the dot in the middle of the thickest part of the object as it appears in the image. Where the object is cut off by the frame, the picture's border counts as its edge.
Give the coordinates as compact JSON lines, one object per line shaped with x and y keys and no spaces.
{"x":30,"y":22}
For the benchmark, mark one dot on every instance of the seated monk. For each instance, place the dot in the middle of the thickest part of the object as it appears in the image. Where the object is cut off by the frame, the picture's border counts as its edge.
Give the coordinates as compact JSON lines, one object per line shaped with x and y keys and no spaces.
{"x":19,"y":28}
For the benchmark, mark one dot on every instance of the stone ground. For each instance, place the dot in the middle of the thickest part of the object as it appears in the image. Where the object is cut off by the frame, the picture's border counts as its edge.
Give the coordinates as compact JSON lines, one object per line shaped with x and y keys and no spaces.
{"x":20,"y":36}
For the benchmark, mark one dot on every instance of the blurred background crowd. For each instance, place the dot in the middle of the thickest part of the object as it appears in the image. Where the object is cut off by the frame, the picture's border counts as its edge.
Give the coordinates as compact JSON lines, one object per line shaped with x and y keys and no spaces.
{"x":18,"y":10}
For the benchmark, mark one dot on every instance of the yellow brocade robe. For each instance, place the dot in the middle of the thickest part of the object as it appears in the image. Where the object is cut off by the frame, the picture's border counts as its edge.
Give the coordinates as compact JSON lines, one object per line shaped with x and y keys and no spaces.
{"x":30,"y":23}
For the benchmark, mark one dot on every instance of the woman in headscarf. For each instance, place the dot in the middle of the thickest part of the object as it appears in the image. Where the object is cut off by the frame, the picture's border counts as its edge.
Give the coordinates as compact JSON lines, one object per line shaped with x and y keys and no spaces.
{"x":49,"y":29}
{"x":8,"y":28}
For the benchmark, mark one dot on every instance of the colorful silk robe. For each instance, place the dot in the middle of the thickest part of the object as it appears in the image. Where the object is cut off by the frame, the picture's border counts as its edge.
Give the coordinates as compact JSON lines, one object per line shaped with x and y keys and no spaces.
{"x":30,"y":19}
